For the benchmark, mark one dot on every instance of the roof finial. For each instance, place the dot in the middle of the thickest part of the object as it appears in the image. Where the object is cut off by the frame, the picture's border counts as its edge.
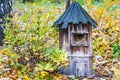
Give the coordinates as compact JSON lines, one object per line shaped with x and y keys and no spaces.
{"x":67,"y":3}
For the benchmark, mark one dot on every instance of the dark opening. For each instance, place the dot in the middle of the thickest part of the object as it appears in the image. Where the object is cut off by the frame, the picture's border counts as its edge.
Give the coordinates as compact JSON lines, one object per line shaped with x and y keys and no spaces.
{"x":79,"y":39}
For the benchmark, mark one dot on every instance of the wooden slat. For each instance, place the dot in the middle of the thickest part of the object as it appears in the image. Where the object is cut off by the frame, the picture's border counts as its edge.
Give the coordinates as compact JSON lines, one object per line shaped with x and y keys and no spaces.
{"x":73,"y":32}
{"x":60,"y":37}
{"x":83,"y":56}
{"x":79,"y":45}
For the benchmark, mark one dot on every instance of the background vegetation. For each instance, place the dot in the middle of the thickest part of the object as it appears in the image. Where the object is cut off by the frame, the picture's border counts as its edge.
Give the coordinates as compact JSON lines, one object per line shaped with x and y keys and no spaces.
{"x":31,"y":44}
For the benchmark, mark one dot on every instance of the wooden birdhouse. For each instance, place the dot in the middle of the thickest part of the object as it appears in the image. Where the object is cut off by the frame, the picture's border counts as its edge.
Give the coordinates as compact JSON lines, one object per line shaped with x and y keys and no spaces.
{"x":75,"y":36}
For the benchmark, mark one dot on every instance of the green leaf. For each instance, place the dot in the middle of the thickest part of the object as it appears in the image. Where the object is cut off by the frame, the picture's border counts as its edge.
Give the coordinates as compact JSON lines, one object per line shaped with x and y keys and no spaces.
{"x":36,"y":78}
{"x":24,"y":68}
{"x":48,"y":67}
{"x":2,"y":60}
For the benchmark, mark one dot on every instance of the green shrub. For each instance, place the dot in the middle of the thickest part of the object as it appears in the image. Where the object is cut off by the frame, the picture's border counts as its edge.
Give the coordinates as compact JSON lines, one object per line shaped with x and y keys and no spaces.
{"x":34,"y":43}
{"x":116,"y":51}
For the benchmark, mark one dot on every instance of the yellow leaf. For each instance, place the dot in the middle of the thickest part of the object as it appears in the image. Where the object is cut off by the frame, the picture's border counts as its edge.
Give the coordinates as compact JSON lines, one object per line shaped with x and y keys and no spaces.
{"x":115,"y":28}
{"x":88,"y":1}
{"x":26,"y":77}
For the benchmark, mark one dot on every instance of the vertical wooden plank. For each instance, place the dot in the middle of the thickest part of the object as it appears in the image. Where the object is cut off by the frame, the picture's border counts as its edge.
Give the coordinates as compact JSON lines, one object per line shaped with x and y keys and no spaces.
{"x":72,"y":62}
{"x":91,"y":64}
{"x":71,"y":35}
{"x":64,"y":34}
{"x":85,"y":28}
{"x":77,"y":26}
{"x":69,"y":38}
{"x":89,"y":60}
{"x":74,"y":27}
{"x":81,"y":28}
{"x":70,"y":29}
{"x":64,"y":42}
{"x":87,"y":38}
{"x":90,"y":29}
{"x":60,"y":37}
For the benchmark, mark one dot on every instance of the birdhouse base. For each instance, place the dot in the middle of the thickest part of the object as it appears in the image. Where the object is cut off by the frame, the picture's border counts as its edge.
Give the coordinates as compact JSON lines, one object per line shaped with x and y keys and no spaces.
{"x":67,"y":72}
{"x":74,"y":77}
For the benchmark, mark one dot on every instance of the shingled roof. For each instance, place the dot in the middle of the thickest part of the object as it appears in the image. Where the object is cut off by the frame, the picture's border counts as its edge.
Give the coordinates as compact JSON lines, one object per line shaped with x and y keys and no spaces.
{"x":75,"y":14}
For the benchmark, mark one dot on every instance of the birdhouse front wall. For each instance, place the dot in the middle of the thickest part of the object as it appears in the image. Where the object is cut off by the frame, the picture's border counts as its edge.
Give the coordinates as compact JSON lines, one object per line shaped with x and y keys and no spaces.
{"x":80,"y":37}
{"x":76,"y":39}
{"x":80,"y":49}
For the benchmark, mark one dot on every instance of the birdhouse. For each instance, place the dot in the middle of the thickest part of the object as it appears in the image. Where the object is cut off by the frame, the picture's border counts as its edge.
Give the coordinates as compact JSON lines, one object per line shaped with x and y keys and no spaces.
{"x":75,"y":37}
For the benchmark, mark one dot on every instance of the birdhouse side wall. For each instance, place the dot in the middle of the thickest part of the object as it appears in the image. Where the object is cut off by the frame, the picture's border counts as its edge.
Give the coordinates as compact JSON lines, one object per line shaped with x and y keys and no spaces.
{"x":63,"y":38}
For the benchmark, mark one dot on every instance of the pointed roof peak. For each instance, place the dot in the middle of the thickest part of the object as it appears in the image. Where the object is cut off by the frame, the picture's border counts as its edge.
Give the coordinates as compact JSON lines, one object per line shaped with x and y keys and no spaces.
{"x":75,"y":14}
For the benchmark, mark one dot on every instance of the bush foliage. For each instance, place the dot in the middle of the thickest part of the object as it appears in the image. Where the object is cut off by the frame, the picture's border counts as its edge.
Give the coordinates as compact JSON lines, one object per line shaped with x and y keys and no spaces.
{"x":33,"y":44}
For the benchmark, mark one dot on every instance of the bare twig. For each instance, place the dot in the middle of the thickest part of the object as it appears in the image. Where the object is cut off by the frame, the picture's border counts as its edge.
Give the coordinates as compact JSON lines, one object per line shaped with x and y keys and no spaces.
{"x":101,"y":63}
{"x":5,"y":70}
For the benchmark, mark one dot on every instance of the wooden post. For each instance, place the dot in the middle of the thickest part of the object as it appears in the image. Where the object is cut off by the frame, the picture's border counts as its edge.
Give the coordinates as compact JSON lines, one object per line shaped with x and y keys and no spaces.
{"x":67,"y":3}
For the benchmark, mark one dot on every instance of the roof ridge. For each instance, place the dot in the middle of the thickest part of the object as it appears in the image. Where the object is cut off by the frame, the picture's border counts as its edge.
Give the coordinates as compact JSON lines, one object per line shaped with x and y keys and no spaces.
{"x":75,"y":14}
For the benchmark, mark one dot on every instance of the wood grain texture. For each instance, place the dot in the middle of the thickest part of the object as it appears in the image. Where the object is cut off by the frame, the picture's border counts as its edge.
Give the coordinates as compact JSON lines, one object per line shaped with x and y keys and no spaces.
{"x":78,"y":38}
